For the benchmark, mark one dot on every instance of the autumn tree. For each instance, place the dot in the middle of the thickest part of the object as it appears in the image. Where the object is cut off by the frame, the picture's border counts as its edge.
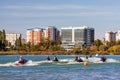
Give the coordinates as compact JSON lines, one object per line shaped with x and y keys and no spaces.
{"x":102,"y":48}
{"x":98,"y":43}
{"x":94,"y":48}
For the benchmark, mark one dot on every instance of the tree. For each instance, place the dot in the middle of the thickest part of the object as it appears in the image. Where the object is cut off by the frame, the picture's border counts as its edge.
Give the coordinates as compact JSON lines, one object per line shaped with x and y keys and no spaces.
{"x":18,"y":43}
{"x":2,"y":40}
{"x":102,"y":48}
{"x":28,"y":46}
{"x":111,"y":43}
{"x":118,"y":42}
{"x":76,"y":50}
{"x":114,"y":49}
{"x":98,"y":43}
{"x":94,"y":48}
{"x":59,"y":40}
{"x":84,"y":51}
{"x":4,"y":36}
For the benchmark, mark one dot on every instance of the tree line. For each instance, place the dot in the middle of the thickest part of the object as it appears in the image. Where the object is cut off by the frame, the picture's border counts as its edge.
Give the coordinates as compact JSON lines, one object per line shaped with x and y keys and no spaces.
{"x":109,"y":48}
{"x":47,"y":46}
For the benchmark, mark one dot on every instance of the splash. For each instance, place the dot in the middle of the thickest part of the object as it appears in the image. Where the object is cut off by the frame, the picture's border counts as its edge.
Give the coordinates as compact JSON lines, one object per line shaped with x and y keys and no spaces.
{"x":7,"y":64}
{"x":112,"y":61}
{"x":62,"y":61}
{"x":98,"y":60}
{"x":29,"y":63}
{"x":92,"y":60}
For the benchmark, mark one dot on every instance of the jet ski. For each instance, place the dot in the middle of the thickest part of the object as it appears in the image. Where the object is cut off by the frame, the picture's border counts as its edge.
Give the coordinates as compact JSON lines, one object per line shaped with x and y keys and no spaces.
{"x":78,"y":59}
{"x":22,"y":62}
{"x":55,"y":59}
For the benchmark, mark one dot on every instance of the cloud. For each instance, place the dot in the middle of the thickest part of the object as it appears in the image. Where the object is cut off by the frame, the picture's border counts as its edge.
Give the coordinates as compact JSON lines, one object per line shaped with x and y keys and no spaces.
{"x":45,"y":7}
{"x":58,"y":14}
{"x":54,"y":11}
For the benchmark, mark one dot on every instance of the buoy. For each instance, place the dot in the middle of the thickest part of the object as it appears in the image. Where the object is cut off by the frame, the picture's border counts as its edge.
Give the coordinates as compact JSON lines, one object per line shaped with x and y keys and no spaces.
{"x":85,"y":63}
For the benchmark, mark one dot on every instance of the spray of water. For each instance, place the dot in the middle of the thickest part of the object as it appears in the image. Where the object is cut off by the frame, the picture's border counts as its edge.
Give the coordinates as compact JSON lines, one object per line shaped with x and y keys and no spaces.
{"x":61,"y":61}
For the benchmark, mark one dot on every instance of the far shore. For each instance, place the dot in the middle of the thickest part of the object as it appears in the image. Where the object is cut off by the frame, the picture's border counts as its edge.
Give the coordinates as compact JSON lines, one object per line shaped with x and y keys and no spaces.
{"x":32,"y":53}
{"x":47,"y":53}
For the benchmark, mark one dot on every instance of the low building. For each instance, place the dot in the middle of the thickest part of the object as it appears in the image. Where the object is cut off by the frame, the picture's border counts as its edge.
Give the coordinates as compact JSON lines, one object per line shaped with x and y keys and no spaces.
{"x":12,"y":37}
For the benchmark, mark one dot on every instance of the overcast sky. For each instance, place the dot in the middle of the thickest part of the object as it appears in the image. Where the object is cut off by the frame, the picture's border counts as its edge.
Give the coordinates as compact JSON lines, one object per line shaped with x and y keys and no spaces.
{"x":17,"y":16}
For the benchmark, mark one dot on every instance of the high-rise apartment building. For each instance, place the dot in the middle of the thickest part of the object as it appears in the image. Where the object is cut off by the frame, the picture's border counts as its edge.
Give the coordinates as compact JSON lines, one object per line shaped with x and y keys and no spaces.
{"x":51,"y":33}
{"x":73,"y":36}
{"x":66,"y":34}
{"x":12,"y":37}
{"x":110,"y":36}
{"x":35,"y":35}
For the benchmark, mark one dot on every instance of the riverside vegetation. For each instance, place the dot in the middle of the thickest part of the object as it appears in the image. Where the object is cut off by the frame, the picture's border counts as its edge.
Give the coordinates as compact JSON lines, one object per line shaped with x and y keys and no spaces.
{"x":47,"y":46}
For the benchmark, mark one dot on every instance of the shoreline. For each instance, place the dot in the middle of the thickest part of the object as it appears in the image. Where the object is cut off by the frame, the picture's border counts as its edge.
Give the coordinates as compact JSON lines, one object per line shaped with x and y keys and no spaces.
{"x":48,"y":53}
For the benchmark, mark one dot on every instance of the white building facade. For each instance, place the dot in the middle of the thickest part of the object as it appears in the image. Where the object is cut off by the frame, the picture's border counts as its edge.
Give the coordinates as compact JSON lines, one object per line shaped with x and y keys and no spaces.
{"x":74,"y":36}
{"x":12,"y":37}
{"x":118,"y":35}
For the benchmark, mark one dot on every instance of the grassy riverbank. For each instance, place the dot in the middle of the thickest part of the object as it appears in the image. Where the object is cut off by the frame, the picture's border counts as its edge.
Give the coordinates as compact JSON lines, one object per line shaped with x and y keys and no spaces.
{"x":14,"y":52}
{"x":33,"y":53}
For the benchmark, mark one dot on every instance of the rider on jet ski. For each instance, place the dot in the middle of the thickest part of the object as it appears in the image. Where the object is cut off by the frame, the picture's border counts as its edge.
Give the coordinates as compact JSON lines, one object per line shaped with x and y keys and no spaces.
{"x":22,"y":61}
{"x":103,"y":58}
{"x":48,"y":58}
{"x":55,"y":59}
{"x":78,"y":59}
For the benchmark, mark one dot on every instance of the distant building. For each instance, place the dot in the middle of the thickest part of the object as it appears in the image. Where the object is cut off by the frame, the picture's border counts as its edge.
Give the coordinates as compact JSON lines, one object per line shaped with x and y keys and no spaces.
{"x":74,"y":36}
{"x":110,"y":36}
{"x":36,"y":35}
{"x":12,"y":37}
{"x":118,"y":35}
{"x":51,"y":33}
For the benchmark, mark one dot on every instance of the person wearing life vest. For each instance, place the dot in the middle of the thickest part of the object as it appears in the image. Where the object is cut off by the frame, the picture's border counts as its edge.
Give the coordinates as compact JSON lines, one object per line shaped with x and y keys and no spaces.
{"x":79,"y":60}
{"x":103,"y":58}
{"x":48,"y":58}
{"x":76,"y":58}
{"x":21,"y":60}
{"x":55,"y":59}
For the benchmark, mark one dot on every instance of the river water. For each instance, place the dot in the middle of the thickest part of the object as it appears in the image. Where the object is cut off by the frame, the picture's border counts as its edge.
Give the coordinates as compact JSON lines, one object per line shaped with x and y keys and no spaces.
{"x":38,"y":68}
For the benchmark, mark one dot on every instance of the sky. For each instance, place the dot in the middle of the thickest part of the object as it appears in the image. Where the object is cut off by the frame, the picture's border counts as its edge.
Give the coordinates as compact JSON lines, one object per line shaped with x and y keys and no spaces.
{"x":16,"y":16}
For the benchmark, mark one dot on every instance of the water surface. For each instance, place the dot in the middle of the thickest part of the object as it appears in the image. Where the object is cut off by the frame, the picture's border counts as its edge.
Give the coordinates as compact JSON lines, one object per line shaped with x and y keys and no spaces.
{"x":38,"y":68}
